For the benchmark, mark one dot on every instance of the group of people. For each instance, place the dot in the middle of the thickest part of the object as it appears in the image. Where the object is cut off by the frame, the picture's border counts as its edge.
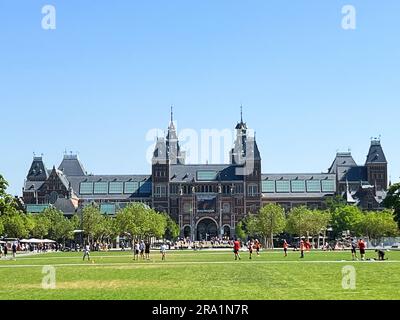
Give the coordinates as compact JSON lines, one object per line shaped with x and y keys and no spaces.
{"x":252,"y":245}
{"x":4,"y":251}
{"x":141,"y":250}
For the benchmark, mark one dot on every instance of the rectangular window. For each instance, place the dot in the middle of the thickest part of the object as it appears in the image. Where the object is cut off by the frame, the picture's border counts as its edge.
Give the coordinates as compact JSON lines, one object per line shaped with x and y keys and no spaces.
{"x":116,"y":187}
{"x":298,"y":186}
{"x":206,"y":175}
{"x":268,"y":186}
{"x":86,"y":188}
{"x":36,"y":208}
{"x":328,"y":185}
{"x":174,"y":189}
{"x":283,"y":186}
{"x":131,"y":187}
{"x":313,"y":186}
{"x":252,"y":190}
{"x":100,"y":187}
{"x":226,"y":207}
{"x":108,"y":208}
{"x":160,"y":191}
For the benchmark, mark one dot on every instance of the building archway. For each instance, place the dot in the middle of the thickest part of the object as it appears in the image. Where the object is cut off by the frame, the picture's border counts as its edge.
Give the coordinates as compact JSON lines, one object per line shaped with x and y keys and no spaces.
{"x":187,"y":232}
{"x":227,"y":231}
{"x":207,"y":229}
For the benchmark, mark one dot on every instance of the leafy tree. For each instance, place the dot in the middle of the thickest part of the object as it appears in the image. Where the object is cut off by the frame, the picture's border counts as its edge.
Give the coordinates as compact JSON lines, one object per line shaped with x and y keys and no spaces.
{"x":1,"y":227}
{"x":305,"y":222}
{"x":392,"y":201}
{"x":346,"y":218}
{"x":156,"y":226}
{"x":269,"y":222}
{"x":141,"y":222}
{"x":376,"y":225}
{"x":106,"y":229}
{"x":8,"y":205}
{"x":60,"y":228}
{"x":336,"y":202}
{"x":172,"y":230}
{"x":15,"y":226}
{"x":297,"y":221}
{"x":240,"y":230}
{"x":41,"y":226}
{"x":91,"y":221}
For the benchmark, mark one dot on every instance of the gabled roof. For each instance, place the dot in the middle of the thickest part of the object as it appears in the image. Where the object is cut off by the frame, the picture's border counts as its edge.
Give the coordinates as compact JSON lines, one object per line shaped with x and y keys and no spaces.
{"x":38,"y":170}
{"x":376,"y":154}
{"x":71,"y":166}
{"x":342,"y":159}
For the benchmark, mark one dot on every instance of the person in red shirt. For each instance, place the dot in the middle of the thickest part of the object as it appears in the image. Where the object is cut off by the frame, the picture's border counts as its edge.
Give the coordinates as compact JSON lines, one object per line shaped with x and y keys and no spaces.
{"x":236,"y":249}
{"x":362,"y":246}
{"x":308,"y":245}
{"x":302,"y":247}
{"x":285,"y":247}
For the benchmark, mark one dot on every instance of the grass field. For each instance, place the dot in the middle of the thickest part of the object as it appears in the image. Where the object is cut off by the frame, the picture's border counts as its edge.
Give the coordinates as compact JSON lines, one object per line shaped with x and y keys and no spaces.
{"x":206,"y":275}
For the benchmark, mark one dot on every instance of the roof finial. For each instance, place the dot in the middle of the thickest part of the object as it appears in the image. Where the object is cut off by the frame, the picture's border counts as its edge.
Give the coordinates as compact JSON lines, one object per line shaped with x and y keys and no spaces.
{"x":172,"y":113}
{"x":241,"y":113}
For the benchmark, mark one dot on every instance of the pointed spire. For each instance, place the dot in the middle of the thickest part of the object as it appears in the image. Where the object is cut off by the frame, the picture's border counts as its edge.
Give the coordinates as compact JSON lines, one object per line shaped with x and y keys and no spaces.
{"x":241,"y":113}
{"x":172,"y":113}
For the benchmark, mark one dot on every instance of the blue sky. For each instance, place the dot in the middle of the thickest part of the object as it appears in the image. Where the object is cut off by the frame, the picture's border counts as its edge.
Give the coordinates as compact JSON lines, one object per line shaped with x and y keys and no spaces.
{"x":109,"y":72}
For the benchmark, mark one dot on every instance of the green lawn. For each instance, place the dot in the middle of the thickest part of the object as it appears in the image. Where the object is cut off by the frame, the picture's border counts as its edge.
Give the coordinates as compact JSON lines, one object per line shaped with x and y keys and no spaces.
{"x":200,"y":275}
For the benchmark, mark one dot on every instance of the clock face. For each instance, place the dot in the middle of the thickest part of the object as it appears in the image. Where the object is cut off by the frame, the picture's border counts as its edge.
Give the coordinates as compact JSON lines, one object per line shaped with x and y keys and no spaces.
{"x":53,"y":197}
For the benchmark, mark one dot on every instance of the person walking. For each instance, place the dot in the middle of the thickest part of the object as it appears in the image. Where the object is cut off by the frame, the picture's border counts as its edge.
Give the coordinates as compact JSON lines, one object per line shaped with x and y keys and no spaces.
{"x":14,"y":251}
{"x":86,"y":252}
{"x":258,"y":247}
{"x":302,"y":248}
{"x":147,"y":250}
{"x":5,"y":250}
{"x":163,"y":251}
{"x":285,"y":247}
{"x":236,"y":249}
{"x":354,"y":247}
{"x":136,"y":251}
{"x":142,"y":248}
{"x":250,"y":246}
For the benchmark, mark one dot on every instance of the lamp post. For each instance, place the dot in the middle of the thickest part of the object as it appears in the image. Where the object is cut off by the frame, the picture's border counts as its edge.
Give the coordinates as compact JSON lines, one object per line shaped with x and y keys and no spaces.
{"x":221,"y":230}
{"x":192,"y":227}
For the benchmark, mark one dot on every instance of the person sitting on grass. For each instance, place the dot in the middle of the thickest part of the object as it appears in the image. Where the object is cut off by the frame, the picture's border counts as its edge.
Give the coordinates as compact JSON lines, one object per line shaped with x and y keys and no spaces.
{"x":381,"y":255}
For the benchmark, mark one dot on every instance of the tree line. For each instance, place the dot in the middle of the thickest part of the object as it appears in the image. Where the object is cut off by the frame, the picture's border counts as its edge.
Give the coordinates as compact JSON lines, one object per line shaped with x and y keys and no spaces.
{"x":303,"y":222}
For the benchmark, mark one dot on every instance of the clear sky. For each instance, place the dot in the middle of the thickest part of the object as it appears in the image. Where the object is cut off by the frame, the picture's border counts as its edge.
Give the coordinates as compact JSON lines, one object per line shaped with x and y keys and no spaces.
{"x":111,"y":69}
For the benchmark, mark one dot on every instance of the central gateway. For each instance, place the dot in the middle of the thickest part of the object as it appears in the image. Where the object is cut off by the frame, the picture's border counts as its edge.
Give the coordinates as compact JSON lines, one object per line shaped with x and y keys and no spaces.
{"x":207,"y":229}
